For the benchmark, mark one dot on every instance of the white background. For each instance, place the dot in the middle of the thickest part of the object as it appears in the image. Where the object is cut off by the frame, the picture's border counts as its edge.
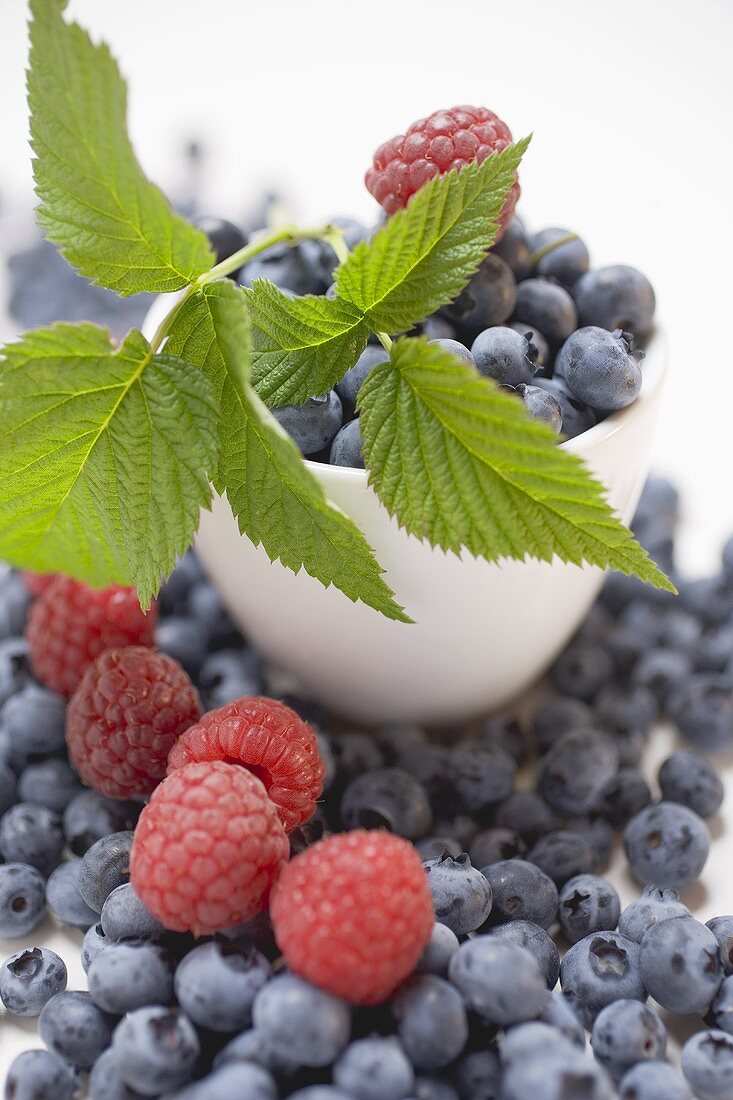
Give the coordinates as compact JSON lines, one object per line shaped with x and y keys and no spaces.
{"x":630,"y":104}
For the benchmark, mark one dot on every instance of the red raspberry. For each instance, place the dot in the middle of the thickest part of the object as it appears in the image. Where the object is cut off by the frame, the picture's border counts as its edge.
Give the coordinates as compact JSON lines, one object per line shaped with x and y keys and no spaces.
{"x":71,"y":624}
{"x":269,"y":739}
{"x":432,"y":146}
{"x":353,"y":914}
{"x":127,"y":712}
{"x":206,"y":849}
{"x":37,"y":583}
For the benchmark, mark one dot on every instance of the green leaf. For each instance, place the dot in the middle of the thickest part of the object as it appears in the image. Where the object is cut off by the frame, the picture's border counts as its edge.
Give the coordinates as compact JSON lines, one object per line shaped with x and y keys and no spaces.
{"x":460,"y":463}
{"x":104,"y":456}
{"x":301,"y":347}
{"x":109,"y":221}
{"x":278,"y":502}
{"x":425,"y":254}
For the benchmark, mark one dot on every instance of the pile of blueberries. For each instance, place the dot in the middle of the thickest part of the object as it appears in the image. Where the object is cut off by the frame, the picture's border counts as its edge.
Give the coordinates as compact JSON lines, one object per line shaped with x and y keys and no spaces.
{"x":516,"y":819}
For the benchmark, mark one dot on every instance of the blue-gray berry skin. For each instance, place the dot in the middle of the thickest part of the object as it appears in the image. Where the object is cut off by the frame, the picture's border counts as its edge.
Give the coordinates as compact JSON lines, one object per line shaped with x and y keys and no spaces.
{"x":721,"y":1010}
{"x":481,"y":776}
{"x":157,"y":1049}
{"x":653,"y":906}
{"x":533,"y":938}
{"x":347,"y":447}
{"x":613,"y":297}
{"x":40,"y":1075}
{"x":104,"y":867}
{"x":667,"y":845}
{"x":216,"y":984}
{"x":312,"y":426}
{"x":185,"y":640}
{"x":431,"y":1021}
{"x":514,"y":248}
{"x":433,"y":847}
{"x":461,"y":894}
{"x":326,"y":1092}
{"x":521,"y":891}
{"x":349,"y":386}
{"x":600,"y":837}
{"x":661,"y":670}
{"x":680,"y":964}
{"x":226,"y":676}
{"x":556,"y":1076}
{"x":588,"y":903}
{"x":556,"y":717}
{"x":376,"y":1068}
{"x":582,"y":670}
{"x":722,"y":929}
{"x":105,"y":1081}
{"x":126,"y":976}
{"x":254,"y":1046}
{"x":90,"y":816}
{"x":622,"y":796}
{"x":506,"y":731}
{"x":124,"y":917}
{"x":35,"y":719}
{"x":689,"y":778}
{"x":556,"y":257}
{"x":441,"y":948}
{"x":527,"y":814}
{"x":494,"y":845}
{"x":600,"y":368}
{"x":427,"y":1087}
{"x":93,"y":944}
{"x":487,"y":300}
{"x":505,"y":355}
{"x":541,"y":406}
{"x":602,"y":968}
{"x":29,"y":979}
{"x":547,"y":306}
{"x":535,"y":1039}
{"x":562,"y":855}
{"x":72,"y":1026}
{"x":388,"y":798}
{"x":702,"y":708}
{"x":707,"y":1063}
{"x":50,"y":782}
{"x":14,"y":667}
{"x":300,"y":1022}
{"x":64,"y":899}
{"x":627,"y":1032}
{"x":477,"y":1075}
{"x":626,"y":707}
{"x":22,"y":899}
{"x":577,"y":417}
{"x":14,"y":602}
{"x":500,"y":981}
{"x":31,"y":834}
{"x":574,"y":771}
{"x":560,"y":1014}
{"x":455,"y":347}
{"x":654,"y":1081}
{"x":237,"y":1079}
{"x":225,"y":237}
{"x":8,"y":788}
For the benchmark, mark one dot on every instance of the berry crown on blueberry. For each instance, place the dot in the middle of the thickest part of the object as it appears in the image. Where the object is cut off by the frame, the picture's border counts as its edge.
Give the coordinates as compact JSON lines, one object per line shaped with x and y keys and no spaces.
{"x":109,"y":452}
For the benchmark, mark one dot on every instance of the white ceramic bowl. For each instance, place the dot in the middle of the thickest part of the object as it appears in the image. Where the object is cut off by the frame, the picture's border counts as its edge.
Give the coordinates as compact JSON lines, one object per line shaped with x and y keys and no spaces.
{"x":482,"y":633}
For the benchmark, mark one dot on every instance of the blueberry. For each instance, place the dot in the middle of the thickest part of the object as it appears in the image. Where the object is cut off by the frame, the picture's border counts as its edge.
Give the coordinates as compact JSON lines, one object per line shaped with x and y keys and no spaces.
{"x":7,"y":788}
{"x":225,"y":238}
{"x":556,"y":717}
{"x":577,"y":417}
{"x":313,"y":425}
{"x":105,"y":1081}
{"x":175,"y":591}
{"x":653,"y":1081}
{"x":702,"y":708}
{"x":659,"y":499}
{"x":721,"y":1010}
{"x":521,"y":891}
{"x":714,"y":649}
{"x":455,"y":347}
{"x":722,"y":929}
{"x":533,"y":938}
{"x":22,"y":899}
{"x":14,"y":668}
{"x":376,"y":1068}
{"x":240,"y":1079}
{"x":73,"y":1027}
{"x":499,"y":980}
{"x":543,"y":361}
{"x":653,"y":906}
{"x":562,"y":855}
{"x":205,"y":605}
{"x":90,"y":816}
{"x":441,"y":948}
{"x":505,"y":731}
{"x":600,"y":837}
{"x":667,"y":845}
{"x":349,"y":386}
{"x":495,"y":845}
{"x":31,"y":834}
{"x":549,"y":307}
{"x":574,"y":771}
{"x":556,"y":1075}
{"x":216,"y":984}
{"x":301,"y":1022}
{"x":626,"y":707}
{"x":488,"y":299}
{"x":710,"y":599}
{"x":157,"y":1048}
{"x":388,"y":798}
{"x":559,"y":1013}
{"x":625,"y":1033}
{"x":126,"y":976}
{"x":323,"y":1092}
{"x":35,"y":719}
{"x":622,"y":796}
{"x":615,"y":297}
{"x":227,"y":675}
{"x":556,"y":257}
{"x":104,"y":867}
{"x":253,"y":1046}
{"x":296,"y":268}
{"x":477,"y":1075}
{"x":541,"y":406}
{"x":64,"y":899}
{"x":29,"y":979}
{"x":461,"y":894}
{"x":40,"y":1075}
{"x":505,"y":355}
{"x":525,"y":813}
{"x":689,"y":778}
{"x":185,"y":640}
{"x":14,"y":602}
{"x":124,"y":917}
{"x":481,"y":776}
{"x":94,"y":943}
{"x":347,"y":447}
{"x":602,"y":968}
{"x":514,"y":249}
{"x":582,"y":670}
{"x":588,"y":904}
{"x":680,"y":964}
{"x":531,"y":1041}
{"x":707,"y":1063}
{"x":436,"y":327}
{"x":426,"y":1088}
{"x":661,"y":670}
{"x":50,"y":783}
{"x":600,"y":368}
{"x":431,"y":1021}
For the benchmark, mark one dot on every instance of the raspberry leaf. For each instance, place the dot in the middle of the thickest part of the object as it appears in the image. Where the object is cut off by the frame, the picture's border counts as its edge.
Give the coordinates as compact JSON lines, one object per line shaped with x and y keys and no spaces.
{"x":424,"y":255}
{"x":301,"y":347}
{"x":460,"y":463}
{"x":97,"y":206}
{"x":104,"y":457}
{"x":278,"y":502}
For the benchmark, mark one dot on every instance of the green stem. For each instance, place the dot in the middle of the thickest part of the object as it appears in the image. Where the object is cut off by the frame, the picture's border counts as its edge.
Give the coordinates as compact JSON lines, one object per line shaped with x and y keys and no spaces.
{"x":385,"y":340}
{"x":551,"y":246}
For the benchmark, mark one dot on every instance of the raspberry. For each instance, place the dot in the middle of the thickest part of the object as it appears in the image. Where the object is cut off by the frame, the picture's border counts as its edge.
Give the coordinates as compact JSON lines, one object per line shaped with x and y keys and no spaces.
{"x":206,"y":848}
{"x":353,"y":914}
{"x":432,"y":146}
{"x":127,"y":712}
{"x":71,"y":624}
{"x":269,"y":739}
{"x":37,"y":583}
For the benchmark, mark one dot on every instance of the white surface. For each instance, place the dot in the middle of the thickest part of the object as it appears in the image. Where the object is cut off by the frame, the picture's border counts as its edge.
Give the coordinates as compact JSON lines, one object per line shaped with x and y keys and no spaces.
{"x":630,"y":105}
